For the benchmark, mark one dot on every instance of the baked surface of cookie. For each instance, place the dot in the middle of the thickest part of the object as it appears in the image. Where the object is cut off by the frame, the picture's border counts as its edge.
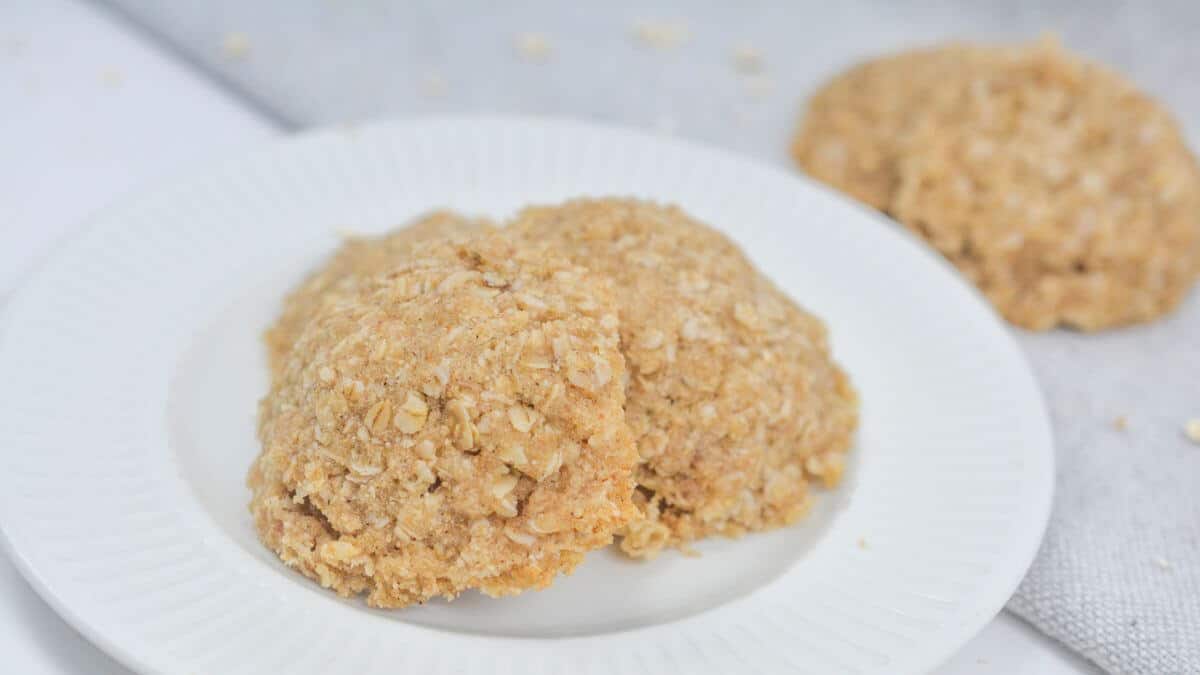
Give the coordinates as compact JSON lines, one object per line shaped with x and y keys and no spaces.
{"x":454,"y":423}
{"x":357,"y":257}
{"x":1065,"y":194}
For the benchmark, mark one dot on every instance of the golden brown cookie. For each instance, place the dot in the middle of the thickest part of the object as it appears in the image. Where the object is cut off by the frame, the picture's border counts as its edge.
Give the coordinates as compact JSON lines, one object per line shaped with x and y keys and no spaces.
{"x":454,"y":423}
{"x":357,"y":257}
{"x":1068,"y":196}
{"x":732,"y":396}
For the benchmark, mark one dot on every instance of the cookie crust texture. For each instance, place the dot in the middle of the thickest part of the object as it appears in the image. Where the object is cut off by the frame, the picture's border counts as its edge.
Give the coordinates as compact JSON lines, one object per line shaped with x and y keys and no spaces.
{"x":358,"y":257}
{"x":1069,"y":197}
{"x":732,"y":396}
{"x":454,"y":423}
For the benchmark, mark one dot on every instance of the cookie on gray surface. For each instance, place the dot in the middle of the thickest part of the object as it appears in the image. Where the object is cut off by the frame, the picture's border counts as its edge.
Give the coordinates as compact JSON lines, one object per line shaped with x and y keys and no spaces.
{"x":1065,"y":194}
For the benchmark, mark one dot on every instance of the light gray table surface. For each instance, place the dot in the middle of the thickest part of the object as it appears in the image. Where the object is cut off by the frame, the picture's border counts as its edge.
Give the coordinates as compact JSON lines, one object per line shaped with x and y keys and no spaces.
{"x":1125,"y":501}
{"x":328,"y":61}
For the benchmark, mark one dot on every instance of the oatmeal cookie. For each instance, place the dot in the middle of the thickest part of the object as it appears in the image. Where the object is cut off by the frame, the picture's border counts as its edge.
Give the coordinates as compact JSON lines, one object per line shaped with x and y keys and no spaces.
{"x":1065,"y":194}
{"x":357,"y":257}
{"x":454,"y":423}
{"x":732,"y":397}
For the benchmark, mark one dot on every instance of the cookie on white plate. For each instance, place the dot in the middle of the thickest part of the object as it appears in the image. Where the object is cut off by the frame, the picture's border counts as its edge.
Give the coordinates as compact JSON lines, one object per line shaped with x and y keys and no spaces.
{"x":733,"y":398}
{"x":357,"y":257}
{"x":454,"y":423}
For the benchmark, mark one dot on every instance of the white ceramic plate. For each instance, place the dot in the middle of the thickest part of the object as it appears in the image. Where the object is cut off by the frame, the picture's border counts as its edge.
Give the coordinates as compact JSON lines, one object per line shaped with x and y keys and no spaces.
{"x":130,"y":366}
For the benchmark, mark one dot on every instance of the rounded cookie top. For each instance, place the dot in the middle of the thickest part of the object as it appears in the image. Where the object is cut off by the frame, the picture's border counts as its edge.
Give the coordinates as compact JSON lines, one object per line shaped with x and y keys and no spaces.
{"x":1066,"y":195}
{"x":454,"y":423}
{"x":357,"y":257}
{"x":733,"y":398}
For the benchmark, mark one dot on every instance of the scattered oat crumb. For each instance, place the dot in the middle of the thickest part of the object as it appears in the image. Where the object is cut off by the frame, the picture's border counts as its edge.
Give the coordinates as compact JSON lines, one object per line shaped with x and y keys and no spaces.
{"x":236,"y":45}
{"x":1162,"y":563}
{"x":111,"y":77}
{"x":747,"y":59}
{"x":862,"y":543}
{"x":434,"y":85}
{"x":534,"y":47}
{"x":759,"y":86}
{"x":1192,"y":429}
{"x":661,"y":34}
{"x":1121,"y":423}
{"x":981,"y":661}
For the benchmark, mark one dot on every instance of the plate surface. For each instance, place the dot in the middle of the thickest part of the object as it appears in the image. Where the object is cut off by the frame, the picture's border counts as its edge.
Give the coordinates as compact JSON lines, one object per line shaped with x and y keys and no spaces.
{"x":131,"y":367}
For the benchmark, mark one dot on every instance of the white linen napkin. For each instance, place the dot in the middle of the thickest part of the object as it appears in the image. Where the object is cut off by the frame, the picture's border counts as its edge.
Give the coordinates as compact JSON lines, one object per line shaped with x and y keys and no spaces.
{"x":1118,"y":575}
